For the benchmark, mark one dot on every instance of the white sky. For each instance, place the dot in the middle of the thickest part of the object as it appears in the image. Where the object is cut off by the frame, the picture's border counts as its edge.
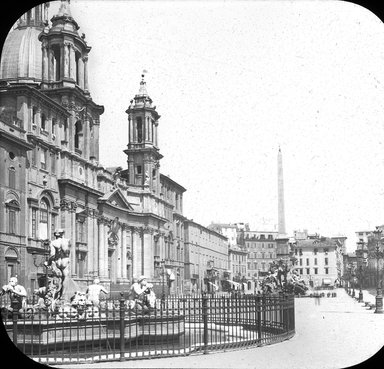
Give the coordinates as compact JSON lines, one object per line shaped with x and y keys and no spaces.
{"x":232,"y":80}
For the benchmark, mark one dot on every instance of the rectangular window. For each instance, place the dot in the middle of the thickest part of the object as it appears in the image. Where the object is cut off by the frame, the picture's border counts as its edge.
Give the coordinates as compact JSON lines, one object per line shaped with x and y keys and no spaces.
{"x":315,"y":251}
{"x":12,"y":178}
{"x":138,"y":169}
{"x":326,"y":261}
{"x":326,"y":270}
{"x":315,"y":270}
{"x":80,"y":231}
{"x":81,"y":264}
{"x":53,"y":126}
{"x":307,"y":270}
{"x":34,"y":213}
{"x":301,"y":271}
{"x":12,"y":221}
{"x":43,"y":159}
{"x":301,"y":262}
{"x":315,"y":261}
{"x":53,"y":164}
{"x":33,"y":156}
{"x":307,"y":261}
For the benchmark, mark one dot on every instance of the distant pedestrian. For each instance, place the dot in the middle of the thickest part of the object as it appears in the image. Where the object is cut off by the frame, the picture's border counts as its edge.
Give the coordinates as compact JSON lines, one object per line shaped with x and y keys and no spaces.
{"x":317,"y":299}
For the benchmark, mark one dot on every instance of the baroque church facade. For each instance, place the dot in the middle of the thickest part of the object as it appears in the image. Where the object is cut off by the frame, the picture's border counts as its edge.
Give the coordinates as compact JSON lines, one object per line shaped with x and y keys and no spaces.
{"x":122,"y":222}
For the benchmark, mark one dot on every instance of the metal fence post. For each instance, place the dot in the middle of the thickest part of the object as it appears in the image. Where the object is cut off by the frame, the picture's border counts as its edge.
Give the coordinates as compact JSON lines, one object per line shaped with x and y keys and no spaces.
{"x":15,"y":313}
{"x":205,"y":321}
{"x":122,"y":326}
{"x":258,"y":307}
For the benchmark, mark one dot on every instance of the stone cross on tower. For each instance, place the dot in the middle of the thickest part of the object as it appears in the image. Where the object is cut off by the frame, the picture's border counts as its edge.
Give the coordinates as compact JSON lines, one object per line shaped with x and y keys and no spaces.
{"x":280,"y":194}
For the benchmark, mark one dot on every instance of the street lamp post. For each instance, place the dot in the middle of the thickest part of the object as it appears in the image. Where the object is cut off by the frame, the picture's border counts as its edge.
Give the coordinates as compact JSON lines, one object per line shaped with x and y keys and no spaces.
{"x":378,"y":254}
{"x":360,"y":274}
{"x":363,"y":252}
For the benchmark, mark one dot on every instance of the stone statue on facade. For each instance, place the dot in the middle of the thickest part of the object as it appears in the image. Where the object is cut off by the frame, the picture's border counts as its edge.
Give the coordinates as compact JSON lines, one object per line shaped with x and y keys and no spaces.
{"x":113,"y":232}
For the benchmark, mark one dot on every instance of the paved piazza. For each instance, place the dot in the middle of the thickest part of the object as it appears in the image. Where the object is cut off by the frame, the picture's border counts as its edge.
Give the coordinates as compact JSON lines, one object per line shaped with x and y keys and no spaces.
{"x":336,"y":333}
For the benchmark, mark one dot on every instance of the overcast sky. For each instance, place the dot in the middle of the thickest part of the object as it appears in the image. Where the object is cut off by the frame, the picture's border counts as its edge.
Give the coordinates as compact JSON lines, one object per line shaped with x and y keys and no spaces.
{"x":234,"y":80}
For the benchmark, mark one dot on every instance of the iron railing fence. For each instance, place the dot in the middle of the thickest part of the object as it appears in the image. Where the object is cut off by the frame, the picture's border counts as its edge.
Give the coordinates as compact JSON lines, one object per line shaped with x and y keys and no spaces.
{"x":178,"y":325}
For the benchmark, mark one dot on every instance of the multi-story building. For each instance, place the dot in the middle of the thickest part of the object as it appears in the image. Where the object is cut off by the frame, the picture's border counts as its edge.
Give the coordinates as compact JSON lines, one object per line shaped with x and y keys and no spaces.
{"x":237,"y":266}
{"x":230,"y":230}
{"x":121,"y":223}
{"x":317,"y":259}
{"x":262,"y":251}
{"x":206,"y":258}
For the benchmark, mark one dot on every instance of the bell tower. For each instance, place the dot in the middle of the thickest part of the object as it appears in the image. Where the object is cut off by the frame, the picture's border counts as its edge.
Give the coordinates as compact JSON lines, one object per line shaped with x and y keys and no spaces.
{"x":143,"y":154}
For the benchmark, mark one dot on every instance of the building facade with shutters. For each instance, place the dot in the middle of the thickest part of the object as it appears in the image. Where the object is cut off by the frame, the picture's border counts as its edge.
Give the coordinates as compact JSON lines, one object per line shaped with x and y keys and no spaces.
{"x":206,"y":253}
{"x":319,"y":259}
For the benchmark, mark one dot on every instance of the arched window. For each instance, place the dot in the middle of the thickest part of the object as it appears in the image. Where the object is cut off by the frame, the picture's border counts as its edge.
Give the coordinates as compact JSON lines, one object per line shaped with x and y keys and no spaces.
{"x":78,"y":133}
{"x":139,"y":125}
{"x":13,"y":210}
{"x":56,"y":61}
{"x":44,"y":219}
{"x":11,"y":258}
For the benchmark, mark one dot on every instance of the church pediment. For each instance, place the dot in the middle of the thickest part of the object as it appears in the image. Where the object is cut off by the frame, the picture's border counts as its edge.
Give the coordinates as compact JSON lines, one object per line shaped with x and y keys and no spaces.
{"x":116,"y":198}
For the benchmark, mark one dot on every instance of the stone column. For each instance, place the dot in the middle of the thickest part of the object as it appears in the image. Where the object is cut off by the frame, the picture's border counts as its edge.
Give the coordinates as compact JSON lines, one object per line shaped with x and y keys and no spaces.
{"x":62,"y":61}
{"x":66,"y":66}
{"x":90,"y":241}
{"x":85,"y":60}
{"x":80,"y":68}
{"x":136,"y":251}
{"x":156,"y":143}
{"x":38,"y":118}
{"x":150,"y":131}
{"x":101,"y":247}
{"x":118,"y":254}
{"x":51,"y":66}
{"x":129,"y":129}
{"x":147,"y":261}
{"x":124,"y":252}
{"x":96,"y":126}
{"x":44,"y":48}
{"x":105,"y":257}
{"x":72,"y":61}
{"x":95,"y":245}
{"x":73,"y":238}
{"x":146,"y":128}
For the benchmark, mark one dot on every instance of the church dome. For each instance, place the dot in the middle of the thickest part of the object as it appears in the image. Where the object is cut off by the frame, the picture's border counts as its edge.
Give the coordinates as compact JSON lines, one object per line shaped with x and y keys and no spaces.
{"x":21,"y":57}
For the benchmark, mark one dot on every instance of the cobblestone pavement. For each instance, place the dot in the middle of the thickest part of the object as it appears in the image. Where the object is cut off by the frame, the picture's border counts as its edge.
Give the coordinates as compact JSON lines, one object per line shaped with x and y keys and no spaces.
{"x":335,"y":333}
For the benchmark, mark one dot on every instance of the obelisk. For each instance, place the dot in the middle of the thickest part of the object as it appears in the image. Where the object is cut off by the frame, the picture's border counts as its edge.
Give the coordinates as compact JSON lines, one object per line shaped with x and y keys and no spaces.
{"x":280,"y":190}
